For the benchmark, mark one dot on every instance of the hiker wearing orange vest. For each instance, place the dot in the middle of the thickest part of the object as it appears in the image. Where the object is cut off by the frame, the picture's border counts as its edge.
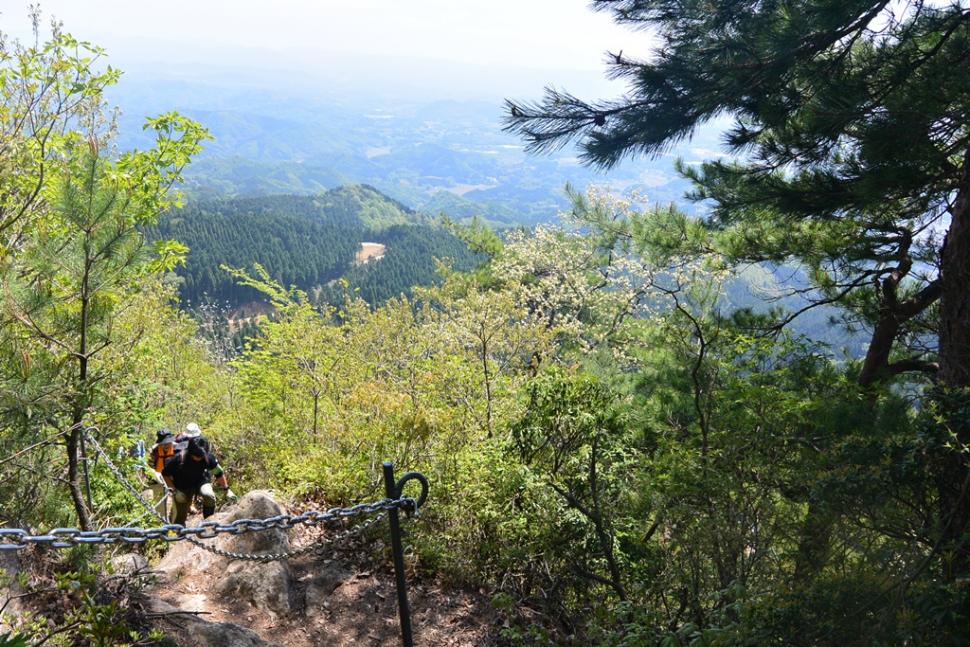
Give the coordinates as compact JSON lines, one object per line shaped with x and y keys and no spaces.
{"x":162,"y":450}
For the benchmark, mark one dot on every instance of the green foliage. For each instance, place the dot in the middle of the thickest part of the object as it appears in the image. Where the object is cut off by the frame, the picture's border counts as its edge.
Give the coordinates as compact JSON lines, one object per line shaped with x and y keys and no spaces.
{"x":574,"y":441}
{"x":48,"y":91}
{"x":640,"y":473}
{"x":479,"y":237}
{"x":411,"y":258}
{"x":72,"y":599}
{"x":13,"y":640}
{"x":368,"y":206}
{"x":629,"y":474}
{"x":850,"y":129}
{"x":843,"y":161}
{"x":300,"y":241}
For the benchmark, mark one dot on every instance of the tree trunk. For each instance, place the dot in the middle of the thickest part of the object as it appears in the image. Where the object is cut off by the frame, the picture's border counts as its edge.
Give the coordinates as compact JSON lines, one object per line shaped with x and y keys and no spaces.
{"x":954,"y":374}
{"x":880,"y":348}
{"x":955,"y":299}
{"x":316,"y":411}
{"x":74,"y":477}
{"x":603,"y":535}
{"x":486,"y":375}
{"x":80,"y":398}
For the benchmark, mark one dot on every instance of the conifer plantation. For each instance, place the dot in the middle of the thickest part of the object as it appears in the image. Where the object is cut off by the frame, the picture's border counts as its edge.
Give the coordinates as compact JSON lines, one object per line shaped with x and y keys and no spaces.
{"x":619,"y":454}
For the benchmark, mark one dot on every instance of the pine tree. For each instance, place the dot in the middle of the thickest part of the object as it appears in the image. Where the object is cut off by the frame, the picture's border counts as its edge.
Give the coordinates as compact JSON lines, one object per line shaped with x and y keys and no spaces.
{"x":850,"y":123}
{"x":81,"y":265}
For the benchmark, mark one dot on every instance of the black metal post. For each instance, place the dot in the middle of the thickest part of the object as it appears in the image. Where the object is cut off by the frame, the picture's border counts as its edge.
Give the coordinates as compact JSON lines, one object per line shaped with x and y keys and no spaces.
{"x":84,"y":464}
{"x":404,"y":611}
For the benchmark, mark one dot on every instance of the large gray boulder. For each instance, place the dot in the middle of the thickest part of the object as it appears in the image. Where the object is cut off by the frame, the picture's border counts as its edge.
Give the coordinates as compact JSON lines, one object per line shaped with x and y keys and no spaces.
{"x":129,"y":564}
{"x":265,"y":586}
{"x":322,"y":585}
{"x":239,"y":585}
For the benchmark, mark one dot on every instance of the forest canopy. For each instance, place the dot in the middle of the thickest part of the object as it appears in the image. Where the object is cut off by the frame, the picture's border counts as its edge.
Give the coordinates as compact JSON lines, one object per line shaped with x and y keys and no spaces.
{"x":308,"y":242}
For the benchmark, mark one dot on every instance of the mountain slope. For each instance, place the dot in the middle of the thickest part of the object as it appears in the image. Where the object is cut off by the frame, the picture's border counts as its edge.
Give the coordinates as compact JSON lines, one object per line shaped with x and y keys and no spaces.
{"x":306,"y":241}
{"x":371,"y":208}
{"x":431,"y":155}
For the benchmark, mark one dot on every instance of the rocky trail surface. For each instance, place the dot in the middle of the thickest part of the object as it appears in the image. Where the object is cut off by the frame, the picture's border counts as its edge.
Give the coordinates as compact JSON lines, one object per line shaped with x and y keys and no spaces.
{"x":344,"y":597}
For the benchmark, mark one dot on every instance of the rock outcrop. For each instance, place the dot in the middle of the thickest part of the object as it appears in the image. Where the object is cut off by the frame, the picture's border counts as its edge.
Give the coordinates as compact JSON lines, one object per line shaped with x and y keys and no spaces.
{"x":193,"y":579}
{"x":9,"y":588}
{"x":129,"y":564}
{"x":345,"y":597}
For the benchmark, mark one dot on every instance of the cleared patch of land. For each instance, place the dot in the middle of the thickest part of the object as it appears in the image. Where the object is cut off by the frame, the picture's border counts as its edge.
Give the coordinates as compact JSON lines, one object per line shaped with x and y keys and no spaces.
{"x":370,"y":252}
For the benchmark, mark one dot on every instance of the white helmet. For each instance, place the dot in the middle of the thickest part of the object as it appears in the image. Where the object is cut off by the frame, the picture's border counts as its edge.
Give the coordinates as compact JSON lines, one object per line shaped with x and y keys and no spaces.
{"x":192,"y":430}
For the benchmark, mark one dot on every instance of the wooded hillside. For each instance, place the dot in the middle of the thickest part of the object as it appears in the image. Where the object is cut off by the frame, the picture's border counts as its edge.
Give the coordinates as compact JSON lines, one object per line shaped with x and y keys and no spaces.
{"x":307,"y":242}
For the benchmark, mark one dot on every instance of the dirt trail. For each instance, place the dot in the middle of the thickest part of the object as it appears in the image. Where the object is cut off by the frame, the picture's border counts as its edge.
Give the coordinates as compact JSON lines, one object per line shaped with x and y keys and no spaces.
{"x":343,"y":598}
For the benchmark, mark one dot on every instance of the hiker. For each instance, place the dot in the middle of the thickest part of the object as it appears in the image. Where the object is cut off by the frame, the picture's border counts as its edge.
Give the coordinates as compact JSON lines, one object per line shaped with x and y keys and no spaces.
{"x":188,"y":474}
{"x":192,"y":430}
{"x":161,"y":451}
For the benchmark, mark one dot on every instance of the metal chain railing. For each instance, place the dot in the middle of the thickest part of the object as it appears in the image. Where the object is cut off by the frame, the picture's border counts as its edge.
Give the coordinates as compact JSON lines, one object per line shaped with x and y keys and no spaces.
{"x":16,"y":539}
{"x":282,"y":522}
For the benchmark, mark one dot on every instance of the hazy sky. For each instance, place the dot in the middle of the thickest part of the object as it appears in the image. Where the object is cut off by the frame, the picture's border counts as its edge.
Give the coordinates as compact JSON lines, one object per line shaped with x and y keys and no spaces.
{"x":508,"y":44}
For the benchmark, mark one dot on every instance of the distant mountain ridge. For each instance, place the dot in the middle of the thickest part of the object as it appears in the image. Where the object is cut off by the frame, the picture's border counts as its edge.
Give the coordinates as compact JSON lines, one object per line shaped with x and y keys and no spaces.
{"x":449,"y":156}
{"x":347,"y":205}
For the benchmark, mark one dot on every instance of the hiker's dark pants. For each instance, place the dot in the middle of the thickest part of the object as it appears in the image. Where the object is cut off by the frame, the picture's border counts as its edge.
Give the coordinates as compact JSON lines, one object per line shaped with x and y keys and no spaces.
{"x":183,"y":500}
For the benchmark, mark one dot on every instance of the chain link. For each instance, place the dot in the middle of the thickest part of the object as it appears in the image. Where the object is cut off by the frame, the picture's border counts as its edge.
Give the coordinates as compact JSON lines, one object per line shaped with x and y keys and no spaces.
{"x":17,"y":539}
{"x":318,"y":546}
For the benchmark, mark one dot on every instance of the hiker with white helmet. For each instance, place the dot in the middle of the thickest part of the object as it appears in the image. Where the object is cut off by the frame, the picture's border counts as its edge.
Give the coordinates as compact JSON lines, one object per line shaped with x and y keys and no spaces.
{"x":189,"y":474}
{"x":192,"y":430}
